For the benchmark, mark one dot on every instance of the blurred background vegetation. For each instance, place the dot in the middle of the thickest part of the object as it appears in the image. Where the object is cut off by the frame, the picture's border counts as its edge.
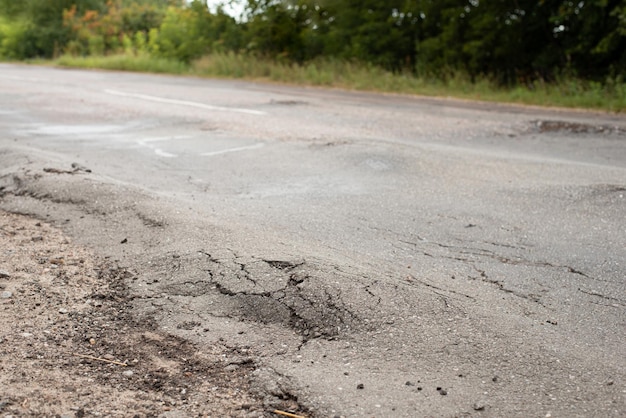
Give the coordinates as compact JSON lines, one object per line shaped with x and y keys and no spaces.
{"x":570,"y":53}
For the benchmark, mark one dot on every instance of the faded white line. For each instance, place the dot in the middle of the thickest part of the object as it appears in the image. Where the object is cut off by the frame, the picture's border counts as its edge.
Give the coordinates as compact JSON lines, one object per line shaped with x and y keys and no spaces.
{"x":185,"y":103}
{"x":162,"y":153}
{"x":145,"y":141}
{"x":158,"y":151}
{"x":226,"y":151}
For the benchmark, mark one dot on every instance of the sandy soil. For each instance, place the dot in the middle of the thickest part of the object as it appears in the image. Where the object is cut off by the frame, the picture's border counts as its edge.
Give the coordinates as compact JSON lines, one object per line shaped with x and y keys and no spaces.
{"x":68,"y":348}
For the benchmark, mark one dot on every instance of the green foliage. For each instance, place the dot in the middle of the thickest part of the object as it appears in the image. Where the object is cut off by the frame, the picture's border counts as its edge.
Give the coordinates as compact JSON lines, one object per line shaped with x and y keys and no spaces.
{"x":13,"y":38}
{"x":139,"y":62}
{"x":187,"y":33}
{"x":42,"y":23}
{"x":516,"y":45}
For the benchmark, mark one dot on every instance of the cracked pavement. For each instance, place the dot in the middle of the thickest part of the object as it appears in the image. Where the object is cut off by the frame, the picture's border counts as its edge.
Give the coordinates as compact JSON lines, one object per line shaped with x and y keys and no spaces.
{"x":371,"y":255}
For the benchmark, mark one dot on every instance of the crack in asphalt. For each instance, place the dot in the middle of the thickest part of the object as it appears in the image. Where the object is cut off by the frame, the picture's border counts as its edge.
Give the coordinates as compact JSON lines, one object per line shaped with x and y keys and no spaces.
{"x":600,"y":295}
{"x":309,"y":310}
{"x":500,"y":286}
{"x":470,"y":256}
{"x":437,"y":289}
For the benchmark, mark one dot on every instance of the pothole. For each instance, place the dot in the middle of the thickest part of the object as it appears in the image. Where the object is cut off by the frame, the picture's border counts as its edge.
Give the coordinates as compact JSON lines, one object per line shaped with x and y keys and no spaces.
{"x":548,"y":126}
{"x":288,"y":102}
{"x":291,"y":293}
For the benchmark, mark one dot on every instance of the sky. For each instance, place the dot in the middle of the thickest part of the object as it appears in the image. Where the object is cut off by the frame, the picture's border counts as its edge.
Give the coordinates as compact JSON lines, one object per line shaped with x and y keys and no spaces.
{"x":234,"y":8}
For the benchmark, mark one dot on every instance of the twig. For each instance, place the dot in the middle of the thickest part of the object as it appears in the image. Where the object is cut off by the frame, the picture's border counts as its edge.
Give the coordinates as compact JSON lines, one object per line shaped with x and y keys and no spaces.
{"x":287,"y":414}
{"x":101,"y":359}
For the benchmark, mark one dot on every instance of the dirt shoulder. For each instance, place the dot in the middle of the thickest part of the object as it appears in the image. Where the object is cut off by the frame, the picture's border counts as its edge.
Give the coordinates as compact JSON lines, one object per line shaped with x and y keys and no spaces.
{"x":69,"y":348}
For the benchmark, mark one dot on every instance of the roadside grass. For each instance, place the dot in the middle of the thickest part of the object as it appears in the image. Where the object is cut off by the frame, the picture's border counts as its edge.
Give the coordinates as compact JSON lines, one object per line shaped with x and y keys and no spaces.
{"x":566,"y":92}
{"x":125,"y":62}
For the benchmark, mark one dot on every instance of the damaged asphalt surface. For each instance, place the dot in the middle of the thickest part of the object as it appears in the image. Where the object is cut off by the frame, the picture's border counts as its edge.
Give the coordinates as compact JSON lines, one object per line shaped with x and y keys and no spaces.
{"x":372,"y":255}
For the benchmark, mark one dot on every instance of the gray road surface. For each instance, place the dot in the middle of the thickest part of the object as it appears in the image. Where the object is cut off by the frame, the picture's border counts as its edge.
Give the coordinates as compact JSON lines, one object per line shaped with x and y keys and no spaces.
{"x":376,"y":255}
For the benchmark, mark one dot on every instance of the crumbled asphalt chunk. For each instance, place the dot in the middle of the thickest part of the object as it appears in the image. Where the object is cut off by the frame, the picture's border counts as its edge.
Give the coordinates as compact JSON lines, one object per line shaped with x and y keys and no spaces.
{"x":479,"y":406}
{"x":78,"y":167}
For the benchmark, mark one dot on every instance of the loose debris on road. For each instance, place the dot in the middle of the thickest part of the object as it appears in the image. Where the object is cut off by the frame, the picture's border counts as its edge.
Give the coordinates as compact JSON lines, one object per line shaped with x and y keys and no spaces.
{"x":68,"y":346}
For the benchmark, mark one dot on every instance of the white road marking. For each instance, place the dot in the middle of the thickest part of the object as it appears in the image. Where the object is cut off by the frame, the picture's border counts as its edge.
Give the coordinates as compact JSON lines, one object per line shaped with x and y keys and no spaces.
{"x":226,"y":151}
{"x":162,"y":153}
{"x":162,"y":138}
{"x":185,"y":103}
{"x":146,"y":143}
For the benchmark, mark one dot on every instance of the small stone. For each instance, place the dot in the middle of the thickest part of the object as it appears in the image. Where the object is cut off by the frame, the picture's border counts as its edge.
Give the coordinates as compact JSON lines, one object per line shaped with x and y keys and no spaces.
{"x":92,"y":341}
{"x":479,"y":406}
{"x":4,"y":274}
{"x":360,"y":386}
{"x":128,"y":373}
{"x":443,"y":392}
{"x":109,"y":357}
{"x":63,"y":311}
{"x":408,"y":383}
{"x":6,"y":295}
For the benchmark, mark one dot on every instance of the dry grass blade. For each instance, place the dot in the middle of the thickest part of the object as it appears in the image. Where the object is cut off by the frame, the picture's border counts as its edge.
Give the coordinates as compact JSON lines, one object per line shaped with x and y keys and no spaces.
{"x":101,"y":359}
{"x":287,"y":414}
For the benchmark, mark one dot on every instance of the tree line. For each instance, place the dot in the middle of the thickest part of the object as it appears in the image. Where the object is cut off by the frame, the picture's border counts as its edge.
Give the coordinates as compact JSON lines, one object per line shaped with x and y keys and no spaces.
{"x":511,"y":41}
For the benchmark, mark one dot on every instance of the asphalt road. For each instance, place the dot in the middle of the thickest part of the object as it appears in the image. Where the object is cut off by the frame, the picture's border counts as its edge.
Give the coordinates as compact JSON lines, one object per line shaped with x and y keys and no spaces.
{"x":376,"y":255}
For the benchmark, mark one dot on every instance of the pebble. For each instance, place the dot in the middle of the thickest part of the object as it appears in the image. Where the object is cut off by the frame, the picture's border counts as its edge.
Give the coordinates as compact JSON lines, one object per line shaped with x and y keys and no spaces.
{"x":4,"y":274}
{"x":128,"y":373}
{"x":6,"y":295}
{"x":63,"y":311}
{"x":360,"y":386}
{"x":479,"y":406}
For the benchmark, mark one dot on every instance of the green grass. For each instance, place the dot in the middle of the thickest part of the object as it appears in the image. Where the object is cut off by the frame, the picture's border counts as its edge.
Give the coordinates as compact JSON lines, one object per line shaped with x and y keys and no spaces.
{"x":567,"y":92}
{"x":125,"y":62}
